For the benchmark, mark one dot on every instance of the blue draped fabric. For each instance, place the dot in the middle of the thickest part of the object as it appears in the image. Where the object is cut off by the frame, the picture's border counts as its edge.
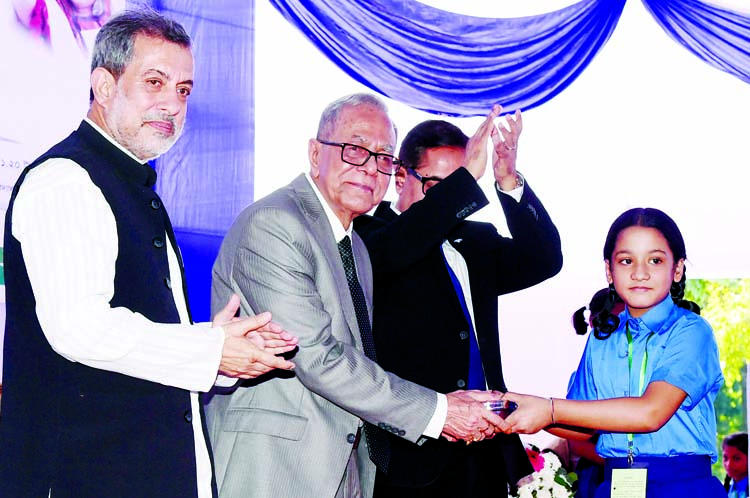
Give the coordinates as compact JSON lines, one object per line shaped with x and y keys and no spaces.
{"x":719,"y":36}
{"x":453,"y":64}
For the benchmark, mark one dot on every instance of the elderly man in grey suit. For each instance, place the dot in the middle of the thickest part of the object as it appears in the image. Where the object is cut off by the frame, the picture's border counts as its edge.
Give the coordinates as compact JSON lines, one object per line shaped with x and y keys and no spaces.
{"x":305,"y":433}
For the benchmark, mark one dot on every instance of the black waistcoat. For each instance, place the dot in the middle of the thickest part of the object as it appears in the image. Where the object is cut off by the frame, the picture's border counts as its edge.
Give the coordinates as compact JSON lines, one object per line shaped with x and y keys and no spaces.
{"x":85,"y":432}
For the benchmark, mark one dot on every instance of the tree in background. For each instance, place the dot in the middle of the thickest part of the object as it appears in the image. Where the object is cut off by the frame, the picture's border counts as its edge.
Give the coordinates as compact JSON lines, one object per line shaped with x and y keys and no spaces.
{"x":726,"y":305}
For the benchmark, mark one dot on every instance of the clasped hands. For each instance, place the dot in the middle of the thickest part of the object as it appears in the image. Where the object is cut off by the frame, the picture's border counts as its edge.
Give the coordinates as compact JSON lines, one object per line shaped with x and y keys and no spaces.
{"x":252,"y":344}
{"x":469,"y":420}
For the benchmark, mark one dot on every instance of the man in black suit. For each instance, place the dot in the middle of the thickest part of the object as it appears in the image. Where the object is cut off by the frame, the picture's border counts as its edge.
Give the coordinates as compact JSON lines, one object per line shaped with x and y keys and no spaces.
{"x":437,"y":280}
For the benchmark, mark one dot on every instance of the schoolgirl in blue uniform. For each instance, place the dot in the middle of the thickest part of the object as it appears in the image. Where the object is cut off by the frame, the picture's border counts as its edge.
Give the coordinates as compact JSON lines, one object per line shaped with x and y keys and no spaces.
{"x":648,"y":377}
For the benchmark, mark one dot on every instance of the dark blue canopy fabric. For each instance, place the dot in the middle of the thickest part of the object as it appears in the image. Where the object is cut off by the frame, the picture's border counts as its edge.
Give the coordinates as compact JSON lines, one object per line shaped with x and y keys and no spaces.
{"x":453,"y":64}
{"x":719,"y":36}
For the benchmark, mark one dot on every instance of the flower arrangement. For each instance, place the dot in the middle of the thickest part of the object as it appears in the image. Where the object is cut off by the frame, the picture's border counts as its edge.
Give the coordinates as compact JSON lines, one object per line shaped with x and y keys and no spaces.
{"x":549,"y":480}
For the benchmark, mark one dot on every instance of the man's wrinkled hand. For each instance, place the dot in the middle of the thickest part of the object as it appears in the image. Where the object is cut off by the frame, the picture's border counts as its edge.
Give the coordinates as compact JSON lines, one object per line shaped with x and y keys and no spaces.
{"x":468,"y":419}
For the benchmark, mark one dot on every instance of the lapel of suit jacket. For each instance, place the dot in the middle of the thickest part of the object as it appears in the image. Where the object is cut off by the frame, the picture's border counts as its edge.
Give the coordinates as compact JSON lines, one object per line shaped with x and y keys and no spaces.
{"x":323,"y":234}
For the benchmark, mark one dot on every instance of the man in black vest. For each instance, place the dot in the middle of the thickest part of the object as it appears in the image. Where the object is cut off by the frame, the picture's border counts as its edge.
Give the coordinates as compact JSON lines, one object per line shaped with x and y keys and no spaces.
{"x":102,"y":363}
{"x":438,"y":276}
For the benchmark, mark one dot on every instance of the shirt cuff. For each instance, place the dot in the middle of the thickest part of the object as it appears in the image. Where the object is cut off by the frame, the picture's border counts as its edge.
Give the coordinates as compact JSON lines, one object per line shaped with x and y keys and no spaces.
{"x":517,"y":192}
{"x":224,"y":381}
{"x":437,"y":422}
{"x":213,"y":355}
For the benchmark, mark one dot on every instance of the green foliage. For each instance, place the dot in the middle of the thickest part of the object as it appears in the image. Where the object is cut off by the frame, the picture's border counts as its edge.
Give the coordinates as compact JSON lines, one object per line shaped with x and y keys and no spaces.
{"x":726,"y":305}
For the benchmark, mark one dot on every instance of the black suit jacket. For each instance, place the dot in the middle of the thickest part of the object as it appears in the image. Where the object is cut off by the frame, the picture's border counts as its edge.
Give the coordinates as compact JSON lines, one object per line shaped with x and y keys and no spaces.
{"x":420,"y":330}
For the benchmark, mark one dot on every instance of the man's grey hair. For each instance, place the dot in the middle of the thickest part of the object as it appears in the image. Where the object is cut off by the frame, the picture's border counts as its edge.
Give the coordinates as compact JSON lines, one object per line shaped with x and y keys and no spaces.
{"x":332,"y":112}
{"x":113,"y":48}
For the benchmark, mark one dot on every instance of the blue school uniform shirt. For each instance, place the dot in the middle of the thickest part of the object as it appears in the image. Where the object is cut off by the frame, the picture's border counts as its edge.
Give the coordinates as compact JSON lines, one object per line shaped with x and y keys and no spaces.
{"x":738,"y":489}
{"x":681,"y":351}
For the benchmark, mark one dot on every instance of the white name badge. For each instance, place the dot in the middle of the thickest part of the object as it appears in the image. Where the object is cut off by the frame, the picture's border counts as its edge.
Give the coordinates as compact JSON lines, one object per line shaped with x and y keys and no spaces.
{"x":629,"y":483}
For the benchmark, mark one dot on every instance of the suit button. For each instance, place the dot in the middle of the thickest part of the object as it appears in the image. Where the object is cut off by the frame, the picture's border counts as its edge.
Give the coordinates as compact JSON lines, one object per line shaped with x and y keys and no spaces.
{"x":382,"y":425}
{"x":155,"y":204}
{"x":158,"y":242}
{"x":401,"y":433}
{"x":167,"y":282}
{"x":394,"y":430}
{"x":461,"y":383}
{"x":350,"y":438}
{"x":188,"y":416}
{"x":463,"y":334}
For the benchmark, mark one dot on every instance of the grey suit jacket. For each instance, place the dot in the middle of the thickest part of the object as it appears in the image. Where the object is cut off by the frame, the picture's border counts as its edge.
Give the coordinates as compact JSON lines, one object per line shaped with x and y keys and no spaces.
{"x":291,"y":434}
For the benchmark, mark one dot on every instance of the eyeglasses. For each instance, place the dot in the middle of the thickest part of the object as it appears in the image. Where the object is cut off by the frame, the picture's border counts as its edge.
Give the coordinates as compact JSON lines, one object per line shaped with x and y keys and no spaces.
{"x":427,"y":181}
{"x":357,"y":155}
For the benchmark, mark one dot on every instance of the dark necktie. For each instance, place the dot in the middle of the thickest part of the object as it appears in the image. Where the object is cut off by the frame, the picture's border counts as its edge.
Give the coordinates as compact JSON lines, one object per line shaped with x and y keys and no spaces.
{"x":476,"y":373}
{"x":377,"y":440}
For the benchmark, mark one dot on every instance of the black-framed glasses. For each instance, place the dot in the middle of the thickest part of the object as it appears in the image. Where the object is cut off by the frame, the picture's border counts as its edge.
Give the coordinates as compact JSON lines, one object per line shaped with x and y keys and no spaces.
{"x":427,"y":181}
{"x":357,"y":155}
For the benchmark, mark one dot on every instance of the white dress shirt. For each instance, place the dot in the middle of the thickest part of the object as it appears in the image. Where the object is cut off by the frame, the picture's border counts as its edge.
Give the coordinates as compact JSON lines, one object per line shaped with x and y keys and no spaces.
{"x":69,"y":242}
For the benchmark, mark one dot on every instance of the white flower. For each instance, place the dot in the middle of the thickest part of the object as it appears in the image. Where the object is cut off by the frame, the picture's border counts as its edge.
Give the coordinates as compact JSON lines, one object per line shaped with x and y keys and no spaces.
{"x":525,"y":492}
{"x":552,"y":481}
{"x":551,"y":461}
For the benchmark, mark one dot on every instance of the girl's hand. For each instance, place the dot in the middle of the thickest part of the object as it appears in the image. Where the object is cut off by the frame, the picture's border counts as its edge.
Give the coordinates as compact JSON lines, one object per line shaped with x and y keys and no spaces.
{"x":532,"y":415}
